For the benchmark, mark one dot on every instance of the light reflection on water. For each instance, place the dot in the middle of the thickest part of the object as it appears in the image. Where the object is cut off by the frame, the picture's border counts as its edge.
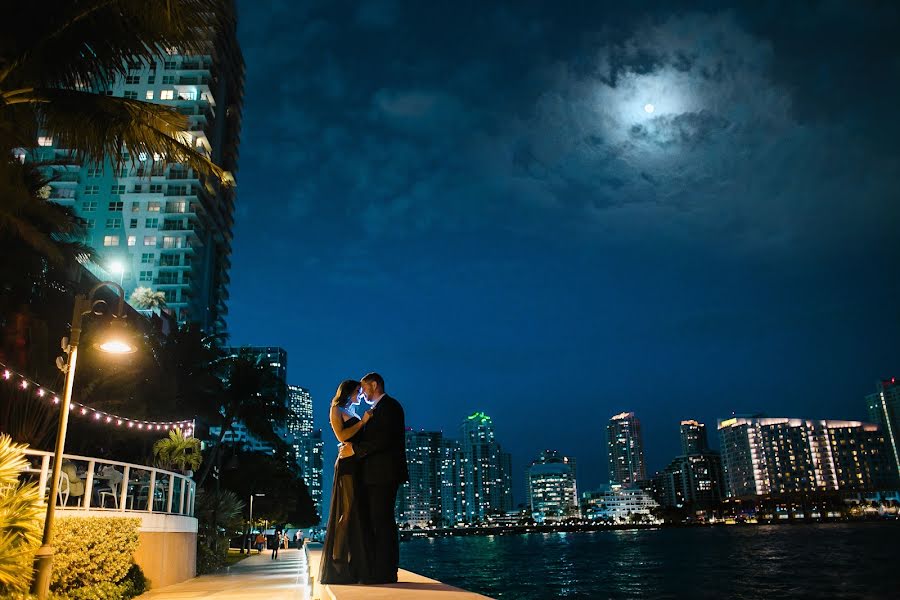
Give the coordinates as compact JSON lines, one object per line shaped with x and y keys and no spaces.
{"x":842,"y":561}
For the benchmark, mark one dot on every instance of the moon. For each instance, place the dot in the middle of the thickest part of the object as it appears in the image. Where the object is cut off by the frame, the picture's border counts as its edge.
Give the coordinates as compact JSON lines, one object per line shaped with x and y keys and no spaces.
{"x":649,"y":108}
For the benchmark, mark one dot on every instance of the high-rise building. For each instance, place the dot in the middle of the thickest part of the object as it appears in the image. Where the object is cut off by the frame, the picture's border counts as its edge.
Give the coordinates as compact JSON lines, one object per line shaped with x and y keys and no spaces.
{"x":626,"y":450}
{"x":486,"y":470}
{"x":419,"y":501}
{"x":693,"y":437}
{"x":884,"y":409}
{"x":552,"y":489}
{"x":693,"y":480}
{"x":300,"y":421}
{"x":156,"y":223}
{"x":781,"y":456}
{"x":308,"y":452}
{"x":453,"y":483}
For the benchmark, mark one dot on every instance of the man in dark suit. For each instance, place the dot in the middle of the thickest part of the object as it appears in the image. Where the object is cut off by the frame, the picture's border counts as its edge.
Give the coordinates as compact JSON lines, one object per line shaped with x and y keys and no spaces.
{"x":381,"y":448}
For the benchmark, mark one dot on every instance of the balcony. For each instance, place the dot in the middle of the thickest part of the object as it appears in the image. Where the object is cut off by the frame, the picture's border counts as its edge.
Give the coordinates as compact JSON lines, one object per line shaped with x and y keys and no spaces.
{"x":162,"y":500}
{"x":97,"y":484}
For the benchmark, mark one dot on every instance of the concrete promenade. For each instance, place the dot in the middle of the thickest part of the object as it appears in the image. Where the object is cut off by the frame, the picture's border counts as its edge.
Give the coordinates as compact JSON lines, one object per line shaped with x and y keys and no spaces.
{"x":256,"y":577}
{"x":409,"y":586}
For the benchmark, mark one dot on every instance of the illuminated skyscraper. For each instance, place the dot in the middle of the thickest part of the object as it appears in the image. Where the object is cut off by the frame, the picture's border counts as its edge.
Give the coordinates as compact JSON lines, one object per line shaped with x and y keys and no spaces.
{"x":778,"y":456}
{"x":884,"y":409}
{"x":300,"y":404}
{"x":486,"y":473}
{"x":419,"y":501}
{"x":693,"y":437}
{"x":156,"y":223}
{"x":308,"y":450}
{"x":626,"y":450}
{"x":552,"y":489}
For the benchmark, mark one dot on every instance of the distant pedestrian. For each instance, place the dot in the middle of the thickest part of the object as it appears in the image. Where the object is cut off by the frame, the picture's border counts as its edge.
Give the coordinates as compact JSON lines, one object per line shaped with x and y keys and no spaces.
{"x":260,"y":542}
{"x":298,"y":538}
{"x":277,"y":542}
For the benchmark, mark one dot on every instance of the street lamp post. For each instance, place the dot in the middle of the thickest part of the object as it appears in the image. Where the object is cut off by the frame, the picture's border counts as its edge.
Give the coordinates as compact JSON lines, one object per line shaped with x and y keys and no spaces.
{"x":115,"y":342}
{"x":251,"y":517}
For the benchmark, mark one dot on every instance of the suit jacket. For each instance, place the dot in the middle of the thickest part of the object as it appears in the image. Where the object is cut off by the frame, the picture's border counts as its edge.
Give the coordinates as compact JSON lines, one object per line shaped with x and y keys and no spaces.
{"x":381,"y":447}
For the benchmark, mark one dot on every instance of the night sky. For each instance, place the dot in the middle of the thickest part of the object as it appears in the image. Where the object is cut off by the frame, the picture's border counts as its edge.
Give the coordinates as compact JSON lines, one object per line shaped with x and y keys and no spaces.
{"x":475,"y":200}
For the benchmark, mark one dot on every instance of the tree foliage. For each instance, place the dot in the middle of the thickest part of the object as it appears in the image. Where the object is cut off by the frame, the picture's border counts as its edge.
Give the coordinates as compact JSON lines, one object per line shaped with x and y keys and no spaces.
{"x":20,"y":519}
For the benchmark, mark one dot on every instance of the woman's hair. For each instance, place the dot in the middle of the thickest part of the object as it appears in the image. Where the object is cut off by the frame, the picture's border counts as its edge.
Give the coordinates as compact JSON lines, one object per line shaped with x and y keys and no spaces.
{"x":344,"y":392}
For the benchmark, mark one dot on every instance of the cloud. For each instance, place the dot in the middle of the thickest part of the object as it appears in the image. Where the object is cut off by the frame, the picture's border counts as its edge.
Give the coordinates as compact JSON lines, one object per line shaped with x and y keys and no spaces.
{"x":409,"y":138}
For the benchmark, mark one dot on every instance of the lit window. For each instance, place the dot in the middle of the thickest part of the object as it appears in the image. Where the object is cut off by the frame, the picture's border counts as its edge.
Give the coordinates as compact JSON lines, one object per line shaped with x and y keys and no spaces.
{"x":110,"y":240}
{"x":132,"y":240}
{"x":153,"y":207}
{"x":45,"y":140}
{"x":149,"y":95}
{"x":167,"y":95}
{"x":149,"y":240}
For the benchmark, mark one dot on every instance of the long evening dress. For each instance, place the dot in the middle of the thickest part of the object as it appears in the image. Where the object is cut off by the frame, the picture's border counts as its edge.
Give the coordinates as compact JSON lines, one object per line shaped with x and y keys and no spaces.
{"x":343,"y":554}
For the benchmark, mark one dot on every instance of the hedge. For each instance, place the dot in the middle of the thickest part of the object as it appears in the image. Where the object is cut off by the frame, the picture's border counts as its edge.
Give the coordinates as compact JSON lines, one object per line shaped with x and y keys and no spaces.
{"x":94,"y":558}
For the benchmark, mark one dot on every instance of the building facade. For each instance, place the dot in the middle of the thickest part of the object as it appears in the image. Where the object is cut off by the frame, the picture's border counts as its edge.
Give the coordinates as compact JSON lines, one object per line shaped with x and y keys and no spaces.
{"x":694,"y":481}
{"x":884,"y":409}
{"x":770,"y":456}
{"x":619,"y":505}
{"x":155,"y":223}
{"x":625,"y":450}
{"x":552,"y":487}
{"x":300,"y":421}
{"x":420,"y":500}
{"x":486,"y":470}
{"x":693,"y":437}
{"x":308,"y":451}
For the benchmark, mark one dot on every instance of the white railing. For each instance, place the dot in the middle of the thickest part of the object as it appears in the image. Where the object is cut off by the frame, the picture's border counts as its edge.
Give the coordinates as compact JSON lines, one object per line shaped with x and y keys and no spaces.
{"x":88,"y":483}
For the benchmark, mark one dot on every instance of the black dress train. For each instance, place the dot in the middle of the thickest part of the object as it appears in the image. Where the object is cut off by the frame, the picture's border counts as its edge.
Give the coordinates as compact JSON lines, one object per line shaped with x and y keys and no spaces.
{"x":344,"y":557}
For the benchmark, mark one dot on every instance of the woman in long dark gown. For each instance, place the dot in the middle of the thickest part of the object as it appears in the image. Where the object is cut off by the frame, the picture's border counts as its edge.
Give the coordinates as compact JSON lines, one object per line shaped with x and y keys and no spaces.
{"x":343,"y":554}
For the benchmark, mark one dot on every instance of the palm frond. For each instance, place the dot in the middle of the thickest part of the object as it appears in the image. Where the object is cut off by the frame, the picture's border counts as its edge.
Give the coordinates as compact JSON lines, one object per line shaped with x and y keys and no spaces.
{"x":102,"y":126}
{"x":69,"y":43}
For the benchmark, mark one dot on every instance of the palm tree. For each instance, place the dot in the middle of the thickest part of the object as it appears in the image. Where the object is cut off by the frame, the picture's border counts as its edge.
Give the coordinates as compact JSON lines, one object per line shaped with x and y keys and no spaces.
{"x":55,"y":55}
{"x":178,"y":452}
{"x":20,"y":519}
{"x":144,"y":298}
{"x":253,"y":394}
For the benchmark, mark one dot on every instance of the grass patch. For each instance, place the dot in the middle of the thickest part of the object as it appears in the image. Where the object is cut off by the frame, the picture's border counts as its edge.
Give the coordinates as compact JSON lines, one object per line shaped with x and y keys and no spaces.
{"x":234,"y":556}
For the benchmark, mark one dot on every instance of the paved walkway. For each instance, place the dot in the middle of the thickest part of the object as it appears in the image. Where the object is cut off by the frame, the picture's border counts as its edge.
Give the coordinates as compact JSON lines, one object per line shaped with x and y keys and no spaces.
{"x":256,"y":577}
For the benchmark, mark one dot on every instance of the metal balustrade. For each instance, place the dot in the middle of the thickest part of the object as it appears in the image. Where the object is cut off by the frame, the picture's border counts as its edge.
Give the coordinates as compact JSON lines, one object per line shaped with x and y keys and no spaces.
{"x":88,"y":483}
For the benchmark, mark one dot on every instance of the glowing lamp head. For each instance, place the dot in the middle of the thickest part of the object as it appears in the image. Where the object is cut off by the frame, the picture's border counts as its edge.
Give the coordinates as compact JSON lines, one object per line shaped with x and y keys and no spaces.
{"x":117,"y":339}
{"x":649,"y":108}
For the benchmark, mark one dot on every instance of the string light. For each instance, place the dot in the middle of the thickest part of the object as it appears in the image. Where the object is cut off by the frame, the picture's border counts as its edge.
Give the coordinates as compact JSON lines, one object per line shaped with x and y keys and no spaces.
{"x":41,"y":391}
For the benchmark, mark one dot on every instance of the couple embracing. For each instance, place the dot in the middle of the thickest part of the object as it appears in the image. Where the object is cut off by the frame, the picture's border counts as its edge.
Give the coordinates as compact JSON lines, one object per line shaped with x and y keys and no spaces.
{"x":361,"y":542}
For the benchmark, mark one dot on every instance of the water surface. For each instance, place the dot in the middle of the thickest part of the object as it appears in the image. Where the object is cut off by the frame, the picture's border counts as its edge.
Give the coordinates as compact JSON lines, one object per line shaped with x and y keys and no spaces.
{"x":839,"y":561}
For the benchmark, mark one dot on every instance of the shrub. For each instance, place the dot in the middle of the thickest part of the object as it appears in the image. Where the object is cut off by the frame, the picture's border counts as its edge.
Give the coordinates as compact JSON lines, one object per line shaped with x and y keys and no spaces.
{"x":91,"y":552}
{"x":21,"y":519}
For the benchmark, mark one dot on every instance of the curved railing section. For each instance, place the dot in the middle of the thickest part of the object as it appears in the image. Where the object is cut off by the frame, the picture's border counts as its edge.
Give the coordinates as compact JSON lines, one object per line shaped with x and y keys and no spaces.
{"x":88,"y":483}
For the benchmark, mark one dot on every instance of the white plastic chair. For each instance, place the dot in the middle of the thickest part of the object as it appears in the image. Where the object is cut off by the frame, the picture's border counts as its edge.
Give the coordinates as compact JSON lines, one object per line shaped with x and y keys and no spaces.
{"x":62,"y":492}
{"x":112,"y":492}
